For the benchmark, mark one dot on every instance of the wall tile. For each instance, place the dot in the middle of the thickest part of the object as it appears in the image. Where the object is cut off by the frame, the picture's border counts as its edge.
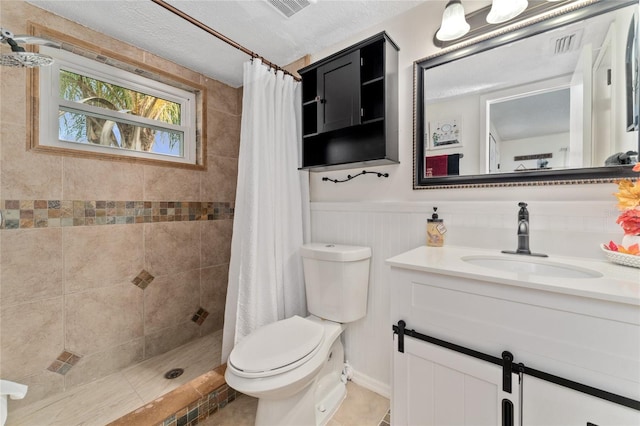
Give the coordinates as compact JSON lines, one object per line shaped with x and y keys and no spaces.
{"x":213,"y":293}
{"x":50,"y":20}
{"x":171,"y":67}
{"x":169,"y":338}
{"x":101,"y":364}
{"x":13,"y":89}
{"x":26,"y":175}
{"x":216,"y":242}
{"x":30,"y":337}
{"x":240,"y":96}
{"x":224,"y":133}
{"x":222,"y":97}
{"x":171,"y":247}
{"x":219,"y":181}
{"x":102,"y":318}
{"x":164,"y":183}
{"x":171,"y":299}
{"x":97,"y":256}
{"x":86,"y":179}
{"x":31,"y":265}
{"x":16,"y":10}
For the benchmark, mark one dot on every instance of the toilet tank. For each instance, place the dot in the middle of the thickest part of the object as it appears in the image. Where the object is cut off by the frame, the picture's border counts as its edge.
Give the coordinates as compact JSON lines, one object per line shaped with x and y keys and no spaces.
{"x":336,"y":280}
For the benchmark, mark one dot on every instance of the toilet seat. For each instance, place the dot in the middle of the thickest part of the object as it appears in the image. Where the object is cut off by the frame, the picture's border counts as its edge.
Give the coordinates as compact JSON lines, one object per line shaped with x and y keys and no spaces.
{"x":276,"y":348}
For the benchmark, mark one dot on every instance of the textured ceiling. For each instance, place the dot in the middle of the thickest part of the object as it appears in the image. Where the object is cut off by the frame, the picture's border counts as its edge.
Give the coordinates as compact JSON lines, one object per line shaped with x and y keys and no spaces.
{"x":254,"y":24}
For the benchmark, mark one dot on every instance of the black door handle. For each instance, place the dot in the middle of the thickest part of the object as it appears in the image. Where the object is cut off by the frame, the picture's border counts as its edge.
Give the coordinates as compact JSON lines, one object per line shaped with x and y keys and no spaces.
{"x":507,"y":413}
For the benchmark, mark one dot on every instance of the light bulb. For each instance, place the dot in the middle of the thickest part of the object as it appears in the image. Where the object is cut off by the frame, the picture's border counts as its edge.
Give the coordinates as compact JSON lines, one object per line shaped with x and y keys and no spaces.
{"x":503,"y":10}
{"x":454,"y":25}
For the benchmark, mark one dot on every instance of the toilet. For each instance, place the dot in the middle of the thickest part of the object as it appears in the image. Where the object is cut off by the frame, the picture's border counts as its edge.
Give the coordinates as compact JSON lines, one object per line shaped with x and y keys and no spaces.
{"x":295,"y":366}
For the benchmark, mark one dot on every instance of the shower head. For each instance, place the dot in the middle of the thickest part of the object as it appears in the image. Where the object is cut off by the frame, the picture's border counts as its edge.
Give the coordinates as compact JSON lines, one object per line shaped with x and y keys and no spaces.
{"x":18,"y":56}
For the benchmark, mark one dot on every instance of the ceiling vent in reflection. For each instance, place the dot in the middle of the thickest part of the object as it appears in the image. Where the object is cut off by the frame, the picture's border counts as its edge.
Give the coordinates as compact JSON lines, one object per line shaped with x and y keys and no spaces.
{"x":566,"y":43}
{"x":289,"y":7}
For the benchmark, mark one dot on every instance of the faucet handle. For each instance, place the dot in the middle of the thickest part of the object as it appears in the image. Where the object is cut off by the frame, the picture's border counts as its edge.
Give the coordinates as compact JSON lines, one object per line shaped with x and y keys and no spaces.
{"x":522,"y":204}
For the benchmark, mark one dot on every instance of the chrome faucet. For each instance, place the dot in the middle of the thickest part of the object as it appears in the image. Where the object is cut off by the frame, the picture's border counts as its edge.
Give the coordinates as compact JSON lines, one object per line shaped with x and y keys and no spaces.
{"x":523,"y":233}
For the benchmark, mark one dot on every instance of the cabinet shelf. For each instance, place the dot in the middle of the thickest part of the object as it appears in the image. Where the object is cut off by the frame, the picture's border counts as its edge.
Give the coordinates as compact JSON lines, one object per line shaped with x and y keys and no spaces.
{"x":374,"y":80}
{"x":373,"y":120}
{"x":357,"y":119}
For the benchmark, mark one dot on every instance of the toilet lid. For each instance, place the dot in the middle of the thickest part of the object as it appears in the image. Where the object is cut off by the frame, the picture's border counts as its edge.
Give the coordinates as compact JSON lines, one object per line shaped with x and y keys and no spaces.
{"x":277,"y":345}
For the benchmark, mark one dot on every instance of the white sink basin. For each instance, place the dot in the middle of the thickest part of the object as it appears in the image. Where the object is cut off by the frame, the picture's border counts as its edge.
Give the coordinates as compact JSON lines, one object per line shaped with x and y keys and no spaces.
{"x":524,"y":265}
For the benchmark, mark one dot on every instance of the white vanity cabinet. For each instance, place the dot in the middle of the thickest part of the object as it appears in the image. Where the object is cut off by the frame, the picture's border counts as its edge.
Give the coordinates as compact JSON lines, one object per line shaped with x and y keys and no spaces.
{"x":433,"y":386}
{"x":585,"y":330}
{"x":551,"y":405}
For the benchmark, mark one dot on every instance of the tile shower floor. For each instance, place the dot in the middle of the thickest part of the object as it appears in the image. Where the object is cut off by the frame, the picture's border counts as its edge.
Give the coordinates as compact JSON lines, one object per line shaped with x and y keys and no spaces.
{"x":111,"y":397}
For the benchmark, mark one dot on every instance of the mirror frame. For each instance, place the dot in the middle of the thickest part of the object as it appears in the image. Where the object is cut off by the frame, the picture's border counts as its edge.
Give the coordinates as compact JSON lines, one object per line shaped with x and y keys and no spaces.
{"x":554,"y":19}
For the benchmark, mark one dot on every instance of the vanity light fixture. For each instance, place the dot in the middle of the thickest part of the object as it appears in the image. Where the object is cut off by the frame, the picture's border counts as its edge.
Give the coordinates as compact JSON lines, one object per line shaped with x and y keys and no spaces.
{"x":504,"y":10}
{"x":454,"y":25}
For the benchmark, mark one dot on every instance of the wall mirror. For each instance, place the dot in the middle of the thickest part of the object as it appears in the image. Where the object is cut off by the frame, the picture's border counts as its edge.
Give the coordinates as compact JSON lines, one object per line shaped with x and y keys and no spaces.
{"x":554,"y":101}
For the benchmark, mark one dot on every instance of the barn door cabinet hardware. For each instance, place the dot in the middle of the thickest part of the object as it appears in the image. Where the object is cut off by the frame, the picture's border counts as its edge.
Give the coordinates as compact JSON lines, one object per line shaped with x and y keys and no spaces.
{"x":525,"y":395}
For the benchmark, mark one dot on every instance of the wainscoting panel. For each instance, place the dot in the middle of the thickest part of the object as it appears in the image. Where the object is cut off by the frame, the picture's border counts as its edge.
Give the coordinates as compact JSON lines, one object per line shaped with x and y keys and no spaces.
{"x":390,"y":228}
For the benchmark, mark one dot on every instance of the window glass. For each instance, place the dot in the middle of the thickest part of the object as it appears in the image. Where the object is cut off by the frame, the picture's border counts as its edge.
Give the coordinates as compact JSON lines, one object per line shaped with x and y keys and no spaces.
{"x":91,"y":106}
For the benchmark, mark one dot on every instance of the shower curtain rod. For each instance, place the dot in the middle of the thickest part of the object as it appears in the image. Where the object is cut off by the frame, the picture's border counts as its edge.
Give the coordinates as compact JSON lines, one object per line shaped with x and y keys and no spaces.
{"x":220,"y":36}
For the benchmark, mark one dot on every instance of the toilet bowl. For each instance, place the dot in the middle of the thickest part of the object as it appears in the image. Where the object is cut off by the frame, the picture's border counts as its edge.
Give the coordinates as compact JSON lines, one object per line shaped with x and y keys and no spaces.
{"x":295,"y":366}
{"x":285,"y":392}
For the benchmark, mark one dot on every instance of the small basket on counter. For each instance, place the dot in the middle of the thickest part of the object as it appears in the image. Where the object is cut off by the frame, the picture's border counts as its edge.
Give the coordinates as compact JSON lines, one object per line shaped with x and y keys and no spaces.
{"x":621,"y":258}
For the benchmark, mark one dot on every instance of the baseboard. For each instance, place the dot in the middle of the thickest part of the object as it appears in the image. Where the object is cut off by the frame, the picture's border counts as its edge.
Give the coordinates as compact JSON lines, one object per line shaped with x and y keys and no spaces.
{"x":372,"y":384}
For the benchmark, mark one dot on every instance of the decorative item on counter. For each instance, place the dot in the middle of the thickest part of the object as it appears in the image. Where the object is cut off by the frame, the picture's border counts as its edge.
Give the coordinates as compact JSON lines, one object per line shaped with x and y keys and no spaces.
{"x":624,"y":256}
{"x":628,"y":196}
{"x":435,"y":230}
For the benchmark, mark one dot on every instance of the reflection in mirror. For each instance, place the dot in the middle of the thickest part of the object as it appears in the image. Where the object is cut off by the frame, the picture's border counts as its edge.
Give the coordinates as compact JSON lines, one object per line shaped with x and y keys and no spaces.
{"x":552,"y":105}
{"x":530,"y":132}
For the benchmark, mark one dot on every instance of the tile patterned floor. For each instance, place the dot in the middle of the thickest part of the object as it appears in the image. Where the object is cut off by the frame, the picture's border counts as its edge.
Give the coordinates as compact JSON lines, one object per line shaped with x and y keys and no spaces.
{"x":111,"y":397}
{"x":361,"y":407}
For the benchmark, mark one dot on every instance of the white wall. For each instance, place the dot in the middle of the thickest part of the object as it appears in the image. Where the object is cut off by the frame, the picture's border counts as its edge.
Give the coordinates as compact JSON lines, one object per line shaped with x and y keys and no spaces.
{"x":547,"y":144}
{"x":388,"y":215}
{"x":465,"y":108}
{"x":623,"y":140}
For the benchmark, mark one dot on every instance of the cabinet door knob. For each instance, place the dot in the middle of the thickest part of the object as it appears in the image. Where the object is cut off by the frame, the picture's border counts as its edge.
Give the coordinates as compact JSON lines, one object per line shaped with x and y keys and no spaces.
{"x":323,"y":101}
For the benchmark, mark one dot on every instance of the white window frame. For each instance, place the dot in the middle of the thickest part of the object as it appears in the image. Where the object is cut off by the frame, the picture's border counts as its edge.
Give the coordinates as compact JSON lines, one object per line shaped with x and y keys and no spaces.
{"x":51,"y":102}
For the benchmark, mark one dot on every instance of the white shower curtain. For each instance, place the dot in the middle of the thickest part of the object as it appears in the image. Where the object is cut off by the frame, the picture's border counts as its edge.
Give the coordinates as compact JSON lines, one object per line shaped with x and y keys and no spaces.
{"x":271,"y":210}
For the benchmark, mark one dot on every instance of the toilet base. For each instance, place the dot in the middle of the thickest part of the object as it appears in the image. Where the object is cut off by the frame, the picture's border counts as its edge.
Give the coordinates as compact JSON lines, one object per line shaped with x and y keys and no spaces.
{"x":326,"y":408}
{"x":315,"y":404}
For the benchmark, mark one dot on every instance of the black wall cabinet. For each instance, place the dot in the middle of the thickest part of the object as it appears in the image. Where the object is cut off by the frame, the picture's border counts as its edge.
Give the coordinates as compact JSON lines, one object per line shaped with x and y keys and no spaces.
{"x":350,"y":107}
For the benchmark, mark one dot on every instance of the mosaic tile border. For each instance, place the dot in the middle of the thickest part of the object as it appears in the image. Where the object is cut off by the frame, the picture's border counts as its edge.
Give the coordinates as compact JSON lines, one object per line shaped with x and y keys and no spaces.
{"x":202,"y":408}
{"x":28,"y":214}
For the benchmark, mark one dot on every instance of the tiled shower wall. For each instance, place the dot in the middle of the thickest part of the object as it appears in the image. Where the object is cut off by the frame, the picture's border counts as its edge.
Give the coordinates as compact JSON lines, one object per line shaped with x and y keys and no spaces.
{"x":68,"y":286}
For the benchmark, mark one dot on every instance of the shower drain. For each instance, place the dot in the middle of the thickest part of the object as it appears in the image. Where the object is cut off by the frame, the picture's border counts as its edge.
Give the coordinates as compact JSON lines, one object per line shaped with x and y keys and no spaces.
{"x":172,"y":374}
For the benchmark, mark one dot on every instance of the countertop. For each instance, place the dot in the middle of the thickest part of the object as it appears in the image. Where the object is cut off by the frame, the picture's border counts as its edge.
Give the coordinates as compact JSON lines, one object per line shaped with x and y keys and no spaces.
{"x":617,"y":284}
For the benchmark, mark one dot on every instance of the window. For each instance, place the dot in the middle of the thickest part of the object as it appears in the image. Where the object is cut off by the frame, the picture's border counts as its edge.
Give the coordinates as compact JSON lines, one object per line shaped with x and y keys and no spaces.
{"x":90,"y":106}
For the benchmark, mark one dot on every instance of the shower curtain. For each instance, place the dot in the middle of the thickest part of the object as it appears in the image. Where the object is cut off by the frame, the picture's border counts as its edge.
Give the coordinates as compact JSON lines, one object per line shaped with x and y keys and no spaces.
{"x":271,"y":209}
